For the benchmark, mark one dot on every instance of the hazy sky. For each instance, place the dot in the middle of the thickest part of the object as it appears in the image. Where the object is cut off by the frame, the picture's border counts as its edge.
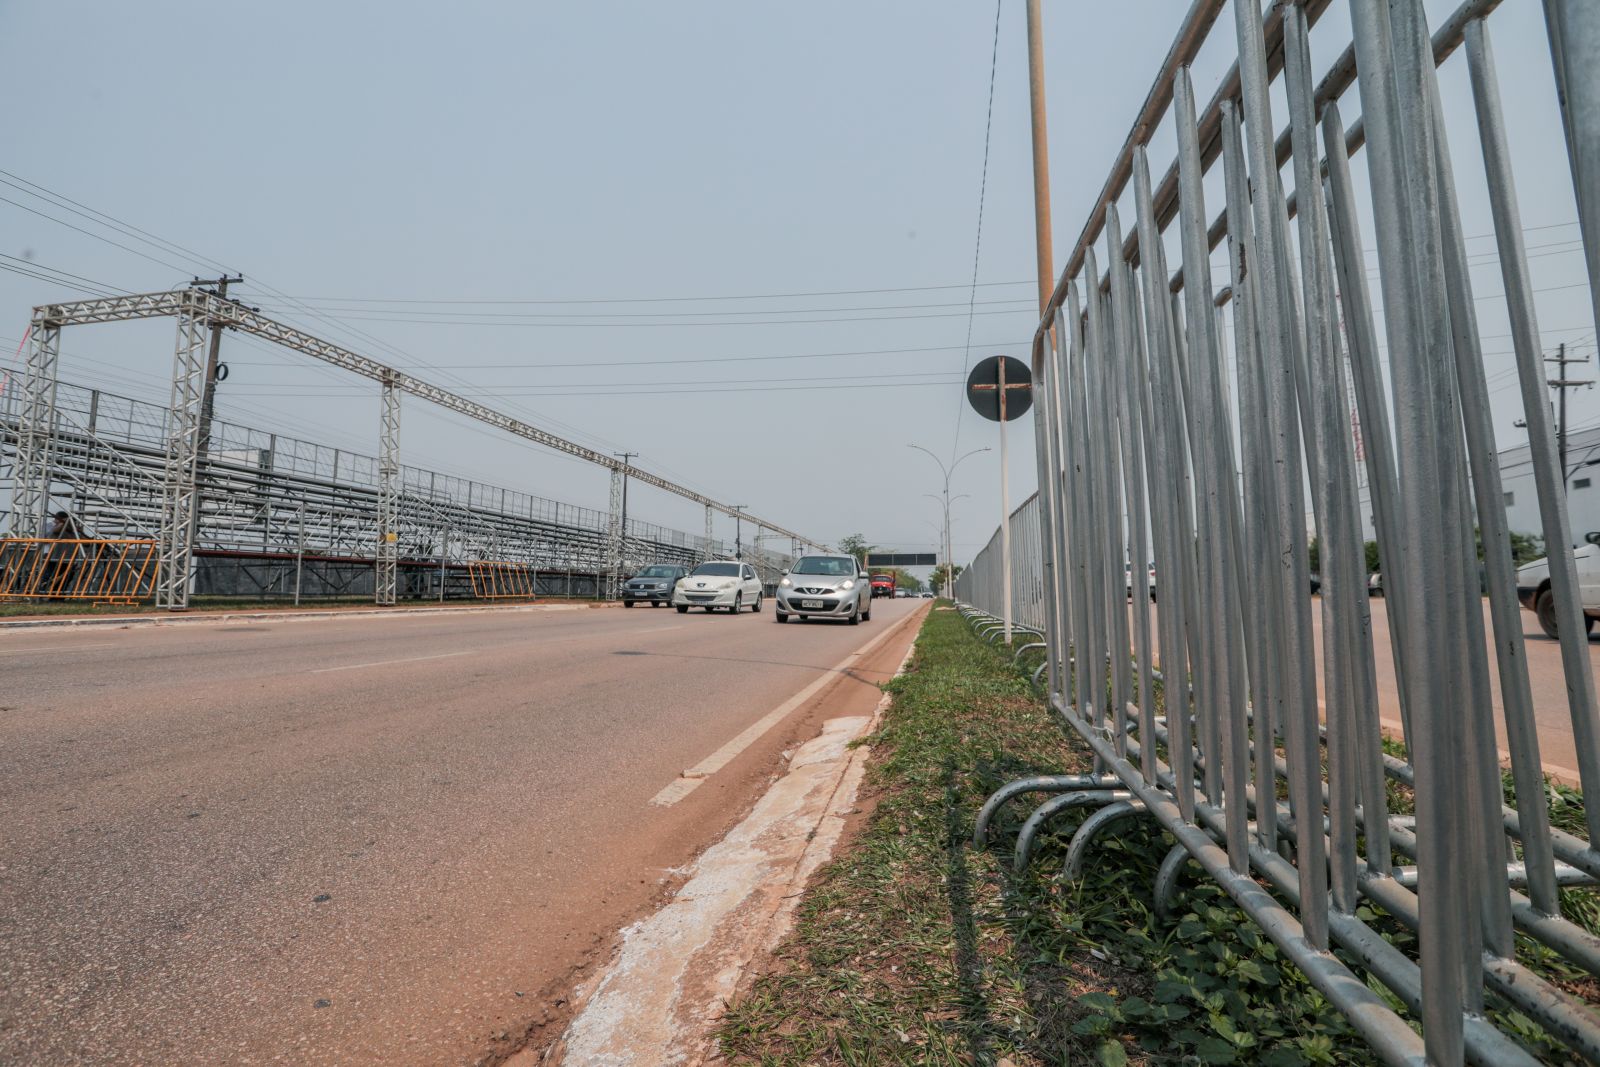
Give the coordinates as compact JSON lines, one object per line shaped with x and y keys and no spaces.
{"x":560,"y":208}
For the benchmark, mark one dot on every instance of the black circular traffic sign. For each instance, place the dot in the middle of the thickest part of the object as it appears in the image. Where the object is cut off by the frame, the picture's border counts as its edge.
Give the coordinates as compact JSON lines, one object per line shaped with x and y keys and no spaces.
{"x":984,"y":383}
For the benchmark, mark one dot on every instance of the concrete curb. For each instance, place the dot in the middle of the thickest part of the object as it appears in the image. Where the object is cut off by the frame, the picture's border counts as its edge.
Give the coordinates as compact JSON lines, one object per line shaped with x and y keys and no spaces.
{"x":72,"y":621}
{"x":658,"y":1000}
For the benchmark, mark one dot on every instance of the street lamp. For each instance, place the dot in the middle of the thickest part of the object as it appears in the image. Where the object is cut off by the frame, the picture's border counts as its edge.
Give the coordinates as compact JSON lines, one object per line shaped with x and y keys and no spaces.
{"x":949,"y":549}
{"x":738,"y":546}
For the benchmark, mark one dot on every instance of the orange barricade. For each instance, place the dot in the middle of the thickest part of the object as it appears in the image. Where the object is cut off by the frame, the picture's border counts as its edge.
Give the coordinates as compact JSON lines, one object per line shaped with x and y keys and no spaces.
{"x":61,"y":568}
{"x":494,"y":580}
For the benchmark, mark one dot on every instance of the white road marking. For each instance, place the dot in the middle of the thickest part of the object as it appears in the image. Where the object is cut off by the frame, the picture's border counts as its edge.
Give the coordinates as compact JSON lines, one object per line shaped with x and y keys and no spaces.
{"x":51,"y":648}
{"x":386,"y":662}
{"x":690,"y":780}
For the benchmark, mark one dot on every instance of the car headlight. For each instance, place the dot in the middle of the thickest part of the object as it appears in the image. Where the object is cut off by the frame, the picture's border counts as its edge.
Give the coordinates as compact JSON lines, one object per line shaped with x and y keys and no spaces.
{"x":848,"y":583}
{"x":784,"y":582}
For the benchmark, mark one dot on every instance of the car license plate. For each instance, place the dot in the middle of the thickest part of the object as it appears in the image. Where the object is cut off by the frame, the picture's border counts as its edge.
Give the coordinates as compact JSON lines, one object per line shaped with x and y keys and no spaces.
{"x":815,"y":604}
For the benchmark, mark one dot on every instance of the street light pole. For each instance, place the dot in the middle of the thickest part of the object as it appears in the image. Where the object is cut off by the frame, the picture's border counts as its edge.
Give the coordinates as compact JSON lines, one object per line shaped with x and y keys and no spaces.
{"x":949,"y":548}
{"x":738,"y":544}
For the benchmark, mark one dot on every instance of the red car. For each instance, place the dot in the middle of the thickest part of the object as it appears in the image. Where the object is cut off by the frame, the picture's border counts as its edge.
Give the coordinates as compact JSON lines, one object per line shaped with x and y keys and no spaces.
{"x":883,"y":585}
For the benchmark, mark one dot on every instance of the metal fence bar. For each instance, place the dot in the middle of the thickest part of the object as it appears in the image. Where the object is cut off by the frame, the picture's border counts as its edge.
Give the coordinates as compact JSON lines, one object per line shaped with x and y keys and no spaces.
{"x":1138,"y":455}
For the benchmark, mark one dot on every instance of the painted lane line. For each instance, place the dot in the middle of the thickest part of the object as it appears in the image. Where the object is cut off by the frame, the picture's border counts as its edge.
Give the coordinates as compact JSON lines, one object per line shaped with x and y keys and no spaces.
{"x":387,"y":662}
{"x":51,"y":648}
{"x":690,"y":780}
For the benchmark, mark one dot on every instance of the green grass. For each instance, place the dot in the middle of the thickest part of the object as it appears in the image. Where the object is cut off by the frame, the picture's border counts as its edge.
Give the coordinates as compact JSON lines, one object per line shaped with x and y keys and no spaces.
{"x":911,"y":948}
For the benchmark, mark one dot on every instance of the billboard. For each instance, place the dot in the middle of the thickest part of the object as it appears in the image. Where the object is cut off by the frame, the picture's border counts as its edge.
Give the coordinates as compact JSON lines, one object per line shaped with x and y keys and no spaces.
{"x":902,"y":559}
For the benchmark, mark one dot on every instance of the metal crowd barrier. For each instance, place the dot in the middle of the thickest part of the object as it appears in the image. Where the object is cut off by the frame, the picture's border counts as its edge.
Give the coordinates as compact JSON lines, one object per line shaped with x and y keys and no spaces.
{"x":1199,"y":710}
{"x":53,"y":568}
{"x":497,"y":580}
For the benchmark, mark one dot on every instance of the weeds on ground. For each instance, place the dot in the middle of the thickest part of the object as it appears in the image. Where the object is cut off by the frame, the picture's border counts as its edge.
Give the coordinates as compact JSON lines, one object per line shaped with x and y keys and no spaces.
{"x":912,"y":948}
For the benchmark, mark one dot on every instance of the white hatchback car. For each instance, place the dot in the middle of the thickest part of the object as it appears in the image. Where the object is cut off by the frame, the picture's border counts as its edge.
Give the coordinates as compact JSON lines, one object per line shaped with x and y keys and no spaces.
{"x":726,"y":584}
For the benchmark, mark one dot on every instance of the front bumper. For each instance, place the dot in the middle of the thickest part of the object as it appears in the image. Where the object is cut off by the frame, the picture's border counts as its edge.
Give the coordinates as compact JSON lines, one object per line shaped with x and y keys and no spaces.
{"x":704,"y":598}
{"x":834,"y":605}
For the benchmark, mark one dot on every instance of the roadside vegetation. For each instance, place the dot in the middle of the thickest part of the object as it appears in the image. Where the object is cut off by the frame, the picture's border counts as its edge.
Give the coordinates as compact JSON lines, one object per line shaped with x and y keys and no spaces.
{"x":913,"y":948}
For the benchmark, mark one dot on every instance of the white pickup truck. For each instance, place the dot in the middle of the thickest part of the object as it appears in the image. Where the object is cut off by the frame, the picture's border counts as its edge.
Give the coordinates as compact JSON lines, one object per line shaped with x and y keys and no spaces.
{"x":1533,"y":587}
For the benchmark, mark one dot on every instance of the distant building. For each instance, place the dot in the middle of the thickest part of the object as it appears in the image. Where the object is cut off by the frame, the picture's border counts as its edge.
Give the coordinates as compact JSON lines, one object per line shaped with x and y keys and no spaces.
{"x":1521,"y":499}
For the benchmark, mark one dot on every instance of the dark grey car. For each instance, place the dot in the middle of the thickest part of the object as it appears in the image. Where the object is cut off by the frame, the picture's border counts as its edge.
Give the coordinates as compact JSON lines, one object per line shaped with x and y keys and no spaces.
{"x":653,"y":585}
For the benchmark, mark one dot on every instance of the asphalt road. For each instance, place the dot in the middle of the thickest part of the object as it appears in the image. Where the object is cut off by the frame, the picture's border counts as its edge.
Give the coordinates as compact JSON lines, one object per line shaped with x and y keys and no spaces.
{"x":387,"y":839}
{"x":1545,"y":682}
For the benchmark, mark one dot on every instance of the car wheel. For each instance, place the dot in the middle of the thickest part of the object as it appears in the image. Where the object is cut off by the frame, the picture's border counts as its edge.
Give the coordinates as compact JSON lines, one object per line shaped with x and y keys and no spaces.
{"x":683,"y":609}
{"x":855,"y":616}
{"x":627,"y":603}
{"x":756,"y":608}
{"x":738,"y":602}
{"x":780,"y":616}
{"x":1545,"y":609}
{"x":866,"y":612}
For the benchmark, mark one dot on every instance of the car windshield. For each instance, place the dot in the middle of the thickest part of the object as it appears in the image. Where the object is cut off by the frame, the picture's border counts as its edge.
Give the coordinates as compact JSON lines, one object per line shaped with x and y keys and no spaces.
{"x":832,"y":566}
{"x":658,"y":572}
{"x":883,"y":577}
{"x":717,"y":570}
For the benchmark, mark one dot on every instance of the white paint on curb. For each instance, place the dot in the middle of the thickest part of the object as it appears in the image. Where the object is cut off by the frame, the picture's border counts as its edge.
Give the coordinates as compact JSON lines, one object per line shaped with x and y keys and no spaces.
{"x":658,"y":1001}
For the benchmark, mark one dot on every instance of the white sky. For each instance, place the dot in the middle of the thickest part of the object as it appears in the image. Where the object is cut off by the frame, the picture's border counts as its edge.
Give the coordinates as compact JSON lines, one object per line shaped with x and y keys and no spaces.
{"x":361,"y":154}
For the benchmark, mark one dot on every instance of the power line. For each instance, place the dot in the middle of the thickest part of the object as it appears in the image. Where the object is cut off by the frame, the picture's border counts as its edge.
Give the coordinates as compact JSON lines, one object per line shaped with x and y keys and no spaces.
{"x":977,"y":249}
{"x":649,"y":299}
{"x":358,"y":317}
{"x":880,"y":378}
{"x":543,"y":315}
{"x":943,"y":384}
{"x":702,"y":359}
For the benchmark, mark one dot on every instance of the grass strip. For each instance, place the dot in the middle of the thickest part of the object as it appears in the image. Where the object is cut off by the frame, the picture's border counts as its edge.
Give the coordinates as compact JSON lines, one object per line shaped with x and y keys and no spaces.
{"x":912,"y":948}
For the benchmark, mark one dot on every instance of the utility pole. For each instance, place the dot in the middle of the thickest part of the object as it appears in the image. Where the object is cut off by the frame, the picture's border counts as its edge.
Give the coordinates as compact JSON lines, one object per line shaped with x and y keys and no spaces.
{"x":738,"y":543}
{"x":209,"y":397}
{"x":1046,"y":269}
{"x":626,"y":457}
{"x":1041,"y":158}
{"x":1563,"y":383}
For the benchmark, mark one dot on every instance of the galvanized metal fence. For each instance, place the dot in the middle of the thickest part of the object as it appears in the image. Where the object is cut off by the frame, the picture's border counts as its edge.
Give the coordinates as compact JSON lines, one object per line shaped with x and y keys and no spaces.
{"x":1190,"y":424}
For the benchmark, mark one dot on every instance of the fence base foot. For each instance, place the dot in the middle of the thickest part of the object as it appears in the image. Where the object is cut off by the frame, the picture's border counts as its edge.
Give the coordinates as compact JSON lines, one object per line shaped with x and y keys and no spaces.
{"x":1072,"y":870}
{"x":1082,"y":798}
{"x":1044,"y":783}
{"x":1167,"y":881}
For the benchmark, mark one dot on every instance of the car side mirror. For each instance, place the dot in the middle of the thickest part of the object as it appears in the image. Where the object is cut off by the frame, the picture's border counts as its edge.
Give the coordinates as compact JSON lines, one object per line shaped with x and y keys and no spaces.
{"x":1593,"y":537}
{"x":784,"y":571}
{"x":865,"y":575}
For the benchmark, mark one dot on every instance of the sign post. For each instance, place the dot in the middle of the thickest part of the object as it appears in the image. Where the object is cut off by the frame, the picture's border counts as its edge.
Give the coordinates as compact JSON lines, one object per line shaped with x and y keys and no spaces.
{"x":1001,"y":389}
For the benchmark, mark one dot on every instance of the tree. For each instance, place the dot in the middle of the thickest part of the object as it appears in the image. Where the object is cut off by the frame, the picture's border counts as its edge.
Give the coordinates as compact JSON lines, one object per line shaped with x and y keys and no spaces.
{"x":936,"y":580}
{"x":857,"y":546}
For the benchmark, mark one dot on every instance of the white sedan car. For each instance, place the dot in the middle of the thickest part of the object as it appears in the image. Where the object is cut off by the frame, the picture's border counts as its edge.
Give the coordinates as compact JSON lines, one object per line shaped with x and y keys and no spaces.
{"x":726,"y":584}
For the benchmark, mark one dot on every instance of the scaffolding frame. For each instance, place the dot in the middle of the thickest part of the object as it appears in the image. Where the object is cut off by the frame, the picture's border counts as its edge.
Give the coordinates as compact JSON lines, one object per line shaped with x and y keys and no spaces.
{"x":197,"y":312}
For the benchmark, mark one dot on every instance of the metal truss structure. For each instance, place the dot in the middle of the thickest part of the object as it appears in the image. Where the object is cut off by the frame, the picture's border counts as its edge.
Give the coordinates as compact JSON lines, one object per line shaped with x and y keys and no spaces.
{"x":268,"y":503}
{"x":187,"y":479}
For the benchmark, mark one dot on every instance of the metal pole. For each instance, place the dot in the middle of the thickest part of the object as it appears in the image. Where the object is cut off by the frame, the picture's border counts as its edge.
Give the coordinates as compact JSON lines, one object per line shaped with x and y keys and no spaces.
{"x":1005,"y":504}
{"x":1041,"y":157}
{"x":388,"y":554}
{"x":1573,"y":27}
{"x":626,"y":457}
{"x":300,"y":554}
{"x":208,"y":400}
